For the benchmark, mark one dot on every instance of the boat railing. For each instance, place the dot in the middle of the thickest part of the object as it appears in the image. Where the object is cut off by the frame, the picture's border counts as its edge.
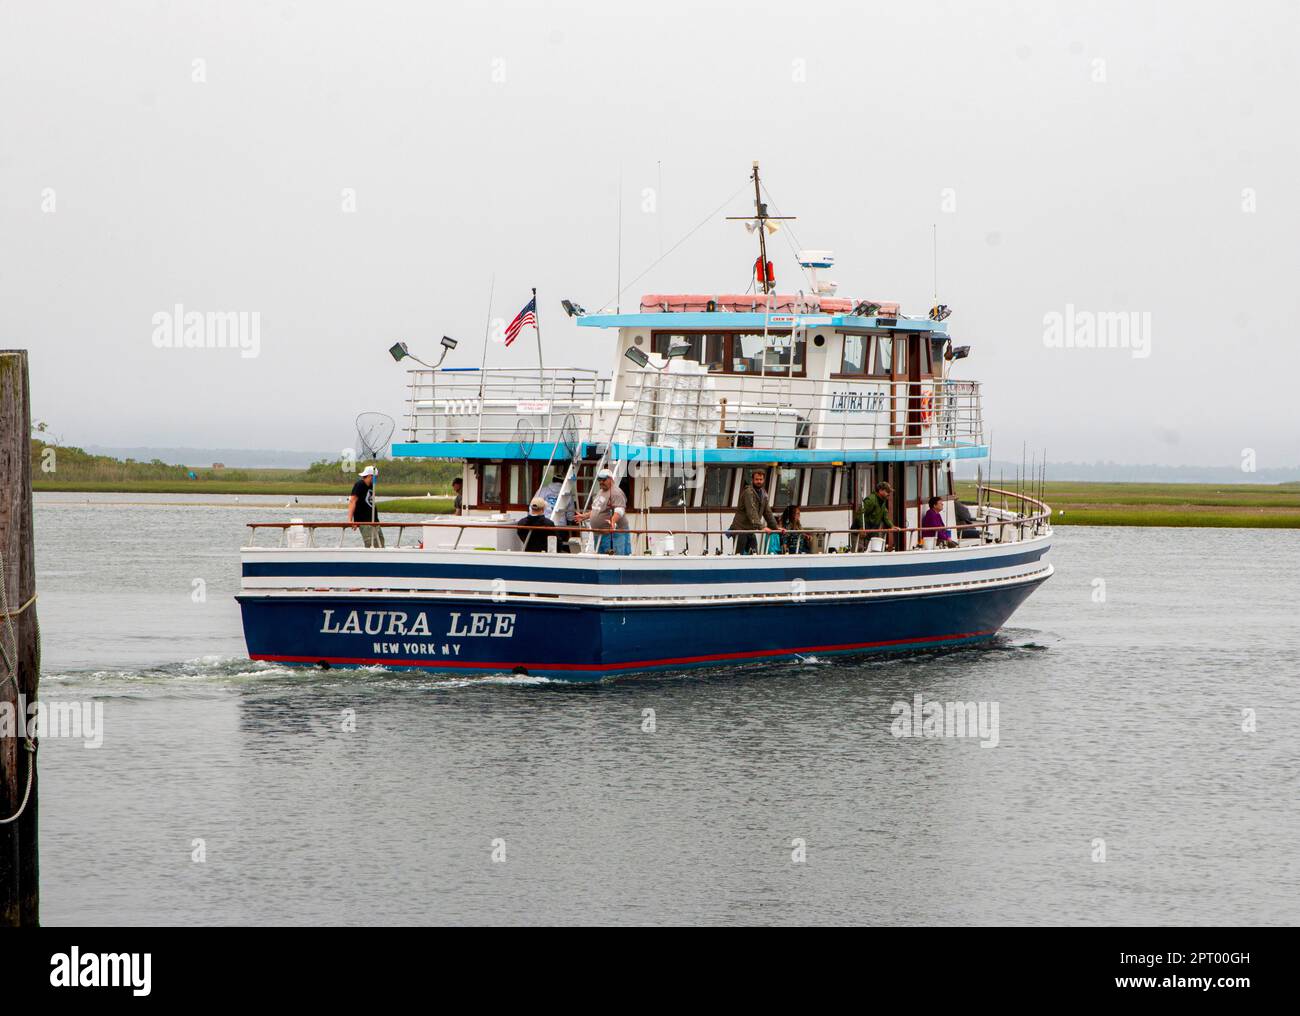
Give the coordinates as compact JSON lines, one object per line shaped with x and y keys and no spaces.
{"x":702,"y":410}
{"x":497,"y":405}
{"x":691,"y":410}
{"x":1024,"y":519}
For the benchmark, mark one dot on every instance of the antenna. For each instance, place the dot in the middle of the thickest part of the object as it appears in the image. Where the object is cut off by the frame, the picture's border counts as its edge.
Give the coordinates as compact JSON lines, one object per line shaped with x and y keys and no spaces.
{"x":1024,"y":452}
{"x":487,"y":337}
{"x":659,"y":199}
{"x":934,"y":235}
{"x":618,"y":303}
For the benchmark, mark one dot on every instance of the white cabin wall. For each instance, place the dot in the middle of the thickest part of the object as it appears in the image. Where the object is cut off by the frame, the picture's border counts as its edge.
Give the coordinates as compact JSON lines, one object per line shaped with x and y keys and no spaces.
{"x":820,"y":357}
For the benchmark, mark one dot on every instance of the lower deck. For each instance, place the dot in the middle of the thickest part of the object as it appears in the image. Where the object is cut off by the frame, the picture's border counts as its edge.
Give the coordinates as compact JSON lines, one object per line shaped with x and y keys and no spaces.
{"x":703,"y":498}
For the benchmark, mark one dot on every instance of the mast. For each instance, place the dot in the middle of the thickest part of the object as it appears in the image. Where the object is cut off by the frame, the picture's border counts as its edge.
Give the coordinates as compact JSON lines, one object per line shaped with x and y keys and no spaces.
{"x":761,"y":208}
{"x":758,"y":222}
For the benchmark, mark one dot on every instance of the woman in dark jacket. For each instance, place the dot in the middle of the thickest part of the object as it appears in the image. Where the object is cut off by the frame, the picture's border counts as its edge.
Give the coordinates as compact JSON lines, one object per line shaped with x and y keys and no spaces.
{"x":794,"y":541}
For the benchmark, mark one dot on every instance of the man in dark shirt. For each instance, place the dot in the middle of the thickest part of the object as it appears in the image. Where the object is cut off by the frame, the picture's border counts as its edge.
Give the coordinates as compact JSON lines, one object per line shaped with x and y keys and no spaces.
{"x":533,"y":527}
{"x":753,"y":515}
{"x":361,"y":507}
{"x":458,"y":489}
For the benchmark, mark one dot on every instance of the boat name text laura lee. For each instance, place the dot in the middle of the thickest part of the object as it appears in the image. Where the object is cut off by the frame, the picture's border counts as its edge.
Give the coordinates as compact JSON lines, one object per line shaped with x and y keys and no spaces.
{"x":490,"y":624}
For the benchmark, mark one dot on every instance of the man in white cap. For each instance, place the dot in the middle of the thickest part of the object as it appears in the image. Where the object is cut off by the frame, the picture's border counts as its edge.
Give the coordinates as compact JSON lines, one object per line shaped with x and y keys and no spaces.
{"x":608,"y":517}
{"x":361,"y":507}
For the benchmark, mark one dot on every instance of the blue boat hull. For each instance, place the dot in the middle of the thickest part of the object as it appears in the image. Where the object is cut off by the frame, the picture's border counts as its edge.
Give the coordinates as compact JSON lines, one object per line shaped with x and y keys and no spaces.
{"x":588,"y":642}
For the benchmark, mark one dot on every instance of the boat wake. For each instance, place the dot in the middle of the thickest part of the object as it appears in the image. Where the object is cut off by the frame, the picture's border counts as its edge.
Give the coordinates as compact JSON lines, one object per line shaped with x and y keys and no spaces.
{"x":1017,"y":639}
{"x":235,"y":671}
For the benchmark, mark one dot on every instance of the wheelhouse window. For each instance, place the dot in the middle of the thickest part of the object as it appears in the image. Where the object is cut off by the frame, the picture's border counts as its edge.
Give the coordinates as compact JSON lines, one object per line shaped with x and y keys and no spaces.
{"x":506,"y":485}
{"x":936,"y":355}
{"x":784,"y":353}
{"x":717,"y":486}
{"x":821,"y":487}
{"x":883,"y":363}
{"x":855,"y":355}
{"x":777,"y":353}
{"x":900,"y":354}
{"x":677,"y":492}
{"x":785,"y":487}
{"x":911,"y":482}
{"x":870,"y":355}
{"x":489,"y":484}
{"x":708,"y":349}
{"x":746,"y":354}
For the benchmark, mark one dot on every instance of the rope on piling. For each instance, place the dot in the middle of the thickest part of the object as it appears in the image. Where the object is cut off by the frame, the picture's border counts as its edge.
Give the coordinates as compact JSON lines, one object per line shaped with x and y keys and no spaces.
{"x":10,"y":657}
{"x":15,"y":613}
{"x":31,"y":771}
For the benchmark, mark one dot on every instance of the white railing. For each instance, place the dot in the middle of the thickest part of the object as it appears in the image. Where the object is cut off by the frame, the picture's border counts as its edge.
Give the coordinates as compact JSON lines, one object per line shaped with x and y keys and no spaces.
{"x":999,"y":516}
{"x":690,"y":410}
{"x":504,"y":405}
{"x":686,"y":409}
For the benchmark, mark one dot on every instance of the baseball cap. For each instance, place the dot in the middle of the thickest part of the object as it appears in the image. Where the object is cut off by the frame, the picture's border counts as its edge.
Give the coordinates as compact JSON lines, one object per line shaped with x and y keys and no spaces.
{"x":538,"y":503}
{"x":605,"y":474}
{"x":369,"y":471}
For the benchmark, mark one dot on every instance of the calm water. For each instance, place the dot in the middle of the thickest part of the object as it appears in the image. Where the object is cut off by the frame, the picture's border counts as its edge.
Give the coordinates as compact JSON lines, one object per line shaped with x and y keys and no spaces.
{"x":1118,"y":721}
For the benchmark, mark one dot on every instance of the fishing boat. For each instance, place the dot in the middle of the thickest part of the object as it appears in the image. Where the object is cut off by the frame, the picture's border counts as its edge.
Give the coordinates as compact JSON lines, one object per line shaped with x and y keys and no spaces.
{"x":824,"y":396}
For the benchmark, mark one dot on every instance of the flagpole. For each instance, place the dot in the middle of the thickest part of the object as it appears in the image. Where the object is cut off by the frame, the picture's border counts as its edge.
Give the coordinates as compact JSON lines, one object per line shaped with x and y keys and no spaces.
{"x":537,"y":327}
{"x":487,"y":332}
{"x":482,"y":369}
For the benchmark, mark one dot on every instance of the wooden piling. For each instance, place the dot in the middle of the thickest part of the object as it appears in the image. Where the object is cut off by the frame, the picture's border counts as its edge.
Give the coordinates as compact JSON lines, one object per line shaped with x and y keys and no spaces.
{"x":19,"y":871}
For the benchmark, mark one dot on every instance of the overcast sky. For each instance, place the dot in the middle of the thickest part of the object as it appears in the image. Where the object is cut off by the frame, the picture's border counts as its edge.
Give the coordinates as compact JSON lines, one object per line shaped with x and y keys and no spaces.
{"x":1123,"y":156}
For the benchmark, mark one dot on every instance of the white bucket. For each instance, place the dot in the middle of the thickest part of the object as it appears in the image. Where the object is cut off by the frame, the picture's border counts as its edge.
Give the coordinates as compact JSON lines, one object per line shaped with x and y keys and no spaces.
{"x":296,"y":535}
{"x":927,"y":543}
{"x":875,"y":545}
{"x":667,"y":546}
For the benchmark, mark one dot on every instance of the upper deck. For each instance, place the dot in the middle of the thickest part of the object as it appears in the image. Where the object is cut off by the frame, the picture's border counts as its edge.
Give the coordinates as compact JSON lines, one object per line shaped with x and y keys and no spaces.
{"x":718,"y":379}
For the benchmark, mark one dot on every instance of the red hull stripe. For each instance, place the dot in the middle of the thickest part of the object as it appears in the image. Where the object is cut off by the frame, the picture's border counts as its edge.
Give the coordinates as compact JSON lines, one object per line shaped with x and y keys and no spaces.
{"x":635,"y":665}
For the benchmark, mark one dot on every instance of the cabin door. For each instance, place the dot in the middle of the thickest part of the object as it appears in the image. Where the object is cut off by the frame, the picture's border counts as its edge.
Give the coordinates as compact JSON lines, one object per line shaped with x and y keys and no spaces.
{"x":538,"y":477}
{"x":911,"y":368}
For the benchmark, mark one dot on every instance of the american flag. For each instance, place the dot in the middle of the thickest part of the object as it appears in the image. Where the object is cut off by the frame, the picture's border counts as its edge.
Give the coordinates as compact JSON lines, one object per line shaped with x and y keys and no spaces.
{"x":527,"y":316}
